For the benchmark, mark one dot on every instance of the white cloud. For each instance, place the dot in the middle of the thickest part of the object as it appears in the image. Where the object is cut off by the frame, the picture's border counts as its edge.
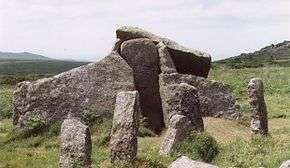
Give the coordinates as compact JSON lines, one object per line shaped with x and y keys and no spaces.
{"x":85,"y":28}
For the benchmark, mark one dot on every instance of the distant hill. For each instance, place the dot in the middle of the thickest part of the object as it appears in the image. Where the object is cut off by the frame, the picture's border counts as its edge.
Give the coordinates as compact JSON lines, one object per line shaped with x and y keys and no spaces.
{"x":31,"y":64}
{"x":276,"y":55}
{"x":21,"y":56}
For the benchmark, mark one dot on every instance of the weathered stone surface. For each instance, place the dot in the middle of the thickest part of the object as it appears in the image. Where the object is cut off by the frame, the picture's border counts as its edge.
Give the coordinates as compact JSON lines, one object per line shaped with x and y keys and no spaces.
{"x":178,"y":130}
{"x":182,"y":99}
{"x":124,"y":132}
{"x":166,"y":62}
{"x":117,"y":46}
{"x":215,"y":98}
{"x":76,"y":145}
{"x":186,"y":61}
{"x":92,"y":86}
{"x":259,"y":122}
{"x":185,"y":162}
{"x":285,"y":164}
{"x":129,"y":32}
{"x":142,"y":55}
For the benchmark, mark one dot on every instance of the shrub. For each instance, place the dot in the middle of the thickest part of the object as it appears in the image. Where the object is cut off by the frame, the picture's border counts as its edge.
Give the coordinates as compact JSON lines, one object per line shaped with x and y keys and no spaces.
{"x":34,"y":126}
{"x":198,"y":146}
{"x":90,"y":117}
{"x":54,"y":129}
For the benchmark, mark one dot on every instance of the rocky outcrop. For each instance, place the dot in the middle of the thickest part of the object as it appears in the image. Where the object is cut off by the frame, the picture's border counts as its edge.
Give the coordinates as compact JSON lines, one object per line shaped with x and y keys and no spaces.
{"x":179,"y":129}
{"x":142,"y":55}
{"x":259,"y":122}
{"x":123,"y":142}
{"x":76,"y":145}
{"x":215,"y":98}
{"x":92,"y":86}
{"x":186,"y":61}
{"x":185,"y":162}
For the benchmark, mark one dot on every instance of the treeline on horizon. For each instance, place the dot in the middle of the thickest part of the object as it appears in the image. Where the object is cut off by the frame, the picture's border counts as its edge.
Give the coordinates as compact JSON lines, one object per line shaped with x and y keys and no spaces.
{"x":15,"y":71}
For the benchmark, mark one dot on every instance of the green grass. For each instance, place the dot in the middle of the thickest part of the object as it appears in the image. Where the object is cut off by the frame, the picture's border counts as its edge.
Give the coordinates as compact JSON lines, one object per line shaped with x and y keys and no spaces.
{"x":235,"y":146}
{"x":276,"y":82}
{"x":5,"y":101}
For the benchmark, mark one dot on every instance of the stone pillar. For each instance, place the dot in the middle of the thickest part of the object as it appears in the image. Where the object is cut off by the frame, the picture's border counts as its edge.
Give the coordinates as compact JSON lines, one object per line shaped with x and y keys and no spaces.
{"x":142,"y":55}
{"x":124,"y":132}
{"x":182,"y":99}
{"x":178,"y":130}
{"x":76,"y":145}
{"x":259,"y":122}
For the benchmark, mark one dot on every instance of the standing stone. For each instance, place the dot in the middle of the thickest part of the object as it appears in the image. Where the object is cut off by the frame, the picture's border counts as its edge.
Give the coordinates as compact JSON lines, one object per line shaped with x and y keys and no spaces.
{"x":76,"y":145}
{"x":216,"y":99}
{"x":179,"y":129}
{"x":182,"y":99}
{"x":185,"y":162}
{"x":124,"y":132}
{"x":259,"y":122}
{"x":142,"y":55}
{"x":285,"y":164}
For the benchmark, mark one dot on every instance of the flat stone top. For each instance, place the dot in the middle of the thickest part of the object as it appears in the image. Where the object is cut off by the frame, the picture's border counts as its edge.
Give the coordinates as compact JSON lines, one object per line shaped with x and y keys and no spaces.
{"x":73,"y":126}
{"x":131,"y":32}
{"x":185,"y":162}
{"x":256,"y":83}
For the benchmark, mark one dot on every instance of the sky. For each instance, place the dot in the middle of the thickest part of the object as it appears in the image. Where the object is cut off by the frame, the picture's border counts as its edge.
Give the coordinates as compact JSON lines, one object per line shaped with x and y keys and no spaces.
{"x":85,"y":29}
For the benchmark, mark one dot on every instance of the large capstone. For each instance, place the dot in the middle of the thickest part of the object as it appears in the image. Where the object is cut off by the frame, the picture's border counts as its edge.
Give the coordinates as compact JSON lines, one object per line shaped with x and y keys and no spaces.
{"x":259,"y":122}
{"x":142,"y":55}
{"x":186,"y":61}
{"x":215,"y":98}
{"x":182,"y":99}
{"x":76,"y":145}
{"x":123,"y":142}
{"x":91,"y":87}
{"x":179,"y":129}
{"x":185,"y":162}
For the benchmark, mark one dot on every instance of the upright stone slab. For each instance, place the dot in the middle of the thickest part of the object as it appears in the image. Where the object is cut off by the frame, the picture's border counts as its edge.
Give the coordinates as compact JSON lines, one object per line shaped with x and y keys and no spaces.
{"x":166,"y":62}
{"x":185,"y":162}
{"x":142,"y":55}
{"x":76,"y":145}
{"x":182,"y":99}
{"x":93,"y":86}
{"x":124,"y":132}
{"x":216,"y":99}
{"x":178,"y":130}
{"x":259,"y":122}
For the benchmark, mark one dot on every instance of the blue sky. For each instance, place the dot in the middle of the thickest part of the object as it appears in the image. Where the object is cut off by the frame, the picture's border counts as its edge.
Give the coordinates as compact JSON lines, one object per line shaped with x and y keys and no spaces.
{"x":85,"y":29}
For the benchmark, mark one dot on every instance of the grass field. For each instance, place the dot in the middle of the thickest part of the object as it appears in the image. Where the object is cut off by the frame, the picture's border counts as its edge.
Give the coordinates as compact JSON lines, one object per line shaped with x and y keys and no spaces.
{"x":236,"y":148}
